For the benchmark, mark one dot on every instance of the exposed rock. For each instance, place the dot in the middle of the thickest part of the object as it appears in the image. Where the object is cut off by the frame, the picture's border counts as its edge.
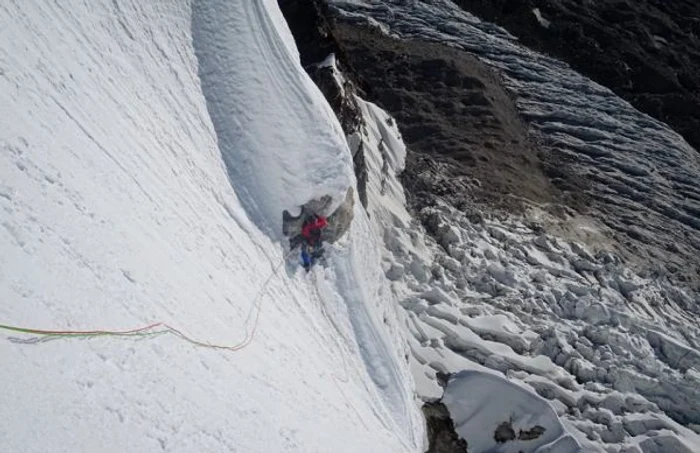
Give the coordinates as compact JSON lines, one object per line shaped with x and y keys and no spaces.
{"x":453,"y":112}
{"x":530,"y":434}
{"x":442,"y":436}
{"x":306,"y":19}
{"x":504,"y":433}
{"x":338,"y":221}
{"x":361,"y":172}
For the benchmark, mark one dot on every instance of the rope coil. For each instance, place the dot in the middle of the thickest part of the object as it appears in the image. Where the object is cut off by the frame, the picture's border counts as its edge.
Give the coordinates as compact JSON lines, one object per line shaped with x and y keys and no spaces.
{"x":153,"y":329}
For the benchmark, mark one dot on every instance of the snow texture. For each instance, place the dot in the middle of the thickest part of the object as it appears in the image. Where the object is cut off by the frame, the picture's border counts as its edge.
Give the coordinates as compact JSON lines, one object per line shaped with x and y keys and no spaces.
{"x":311,"y":156}
{"x":541,"y":20}
{"x":580,"y":329}
{"x":148,"y":150}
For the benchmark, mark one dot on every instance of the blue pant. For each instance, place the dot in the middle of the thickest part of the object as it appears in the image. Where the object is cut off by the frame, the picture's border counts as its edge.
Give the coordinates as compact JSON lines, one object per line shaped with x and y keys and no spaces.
{"x":305,"y":258}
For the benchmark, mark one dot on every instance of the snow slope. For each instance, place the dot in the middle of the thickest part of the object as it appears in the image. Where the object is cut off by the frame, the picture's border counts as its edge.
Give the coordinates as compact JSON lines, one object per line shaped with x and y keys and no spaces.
{"x":149,"y":152}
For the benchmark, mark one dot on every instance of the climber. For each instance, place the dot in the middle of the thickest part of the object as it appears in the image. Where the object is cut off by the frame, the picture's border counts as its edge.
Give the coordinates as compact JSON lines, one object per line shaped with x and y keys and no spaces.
{"x":310,"y":239}
{"x":312,"y":228}
{"x":310,"y":231}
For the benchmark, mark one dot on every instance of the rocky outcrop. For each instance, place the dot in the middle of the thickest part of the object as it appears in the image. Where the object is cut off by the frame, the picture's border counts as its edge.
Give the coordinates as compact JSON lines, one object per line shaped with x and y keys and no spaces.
{"x":442,"y":437}
{"x":306,"y":19}
{"x":338,"y":221}
{"x":452,"y":111}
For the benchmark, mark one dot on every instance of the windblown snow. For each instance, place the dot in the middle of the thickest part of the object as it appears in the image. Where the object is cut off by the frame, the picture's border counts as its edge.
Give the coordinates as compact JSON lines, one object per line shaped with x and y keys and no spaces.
{"x":148,"y":150}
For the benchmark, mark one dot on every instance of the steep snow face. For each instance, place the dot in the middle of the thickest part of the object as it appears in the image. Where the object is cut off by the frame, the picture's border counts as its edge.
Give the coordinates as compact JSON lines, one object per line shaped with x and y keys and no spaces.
{"x":307,"y":146}
{"x":146,"y":154}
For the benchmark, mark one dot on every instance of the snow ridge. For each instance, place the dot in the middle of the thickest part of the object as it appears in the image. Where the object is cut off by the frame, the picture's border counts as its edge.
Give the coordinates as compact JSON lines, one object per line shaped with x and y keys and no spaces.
{"x":267,"y":186}
{"x":469,"y":398}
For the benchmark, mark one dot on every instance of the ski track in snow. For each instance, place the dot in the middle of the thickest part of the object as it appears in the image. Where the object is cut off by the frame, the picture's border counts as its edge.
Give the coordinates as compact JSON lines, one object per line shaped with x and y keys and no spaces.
{"x":142,"y":174}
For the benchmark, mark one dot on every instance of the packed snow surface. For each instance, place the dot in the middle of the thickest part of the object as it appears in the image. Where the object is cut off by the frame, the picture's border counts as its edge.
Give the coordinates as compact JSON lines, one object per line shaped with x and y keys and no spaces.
{"x":311,"y":158}
{"x":148,"y":149}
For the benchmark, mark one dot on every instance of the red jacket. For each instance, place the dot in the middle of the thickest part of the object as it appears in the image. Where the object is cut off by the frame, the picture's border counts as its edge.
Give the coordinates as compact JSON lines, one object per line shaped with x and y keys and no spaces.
{"x":312,"y":230}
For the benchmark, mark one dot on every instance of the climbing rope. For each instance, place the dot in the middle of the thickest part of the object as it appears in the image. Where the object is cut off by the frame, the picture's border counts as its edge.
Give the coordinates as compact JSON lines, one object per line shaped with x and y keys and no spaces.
{"x":157,"y":328}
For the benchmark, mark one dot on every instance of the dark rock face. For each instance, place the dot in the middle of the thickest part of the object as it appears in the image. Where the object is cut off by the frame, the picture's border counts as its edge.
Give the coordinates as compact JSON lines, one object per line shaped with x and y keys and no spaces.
{"x":442,"y":436}
{"x":532,"y":433}
{"x":315,"y":41}
{"x":339,"y":97}
{"x":454,"y":115}
{"x":647,"y":52}
{"x":505,"y":433}
{"x":307,"y":23}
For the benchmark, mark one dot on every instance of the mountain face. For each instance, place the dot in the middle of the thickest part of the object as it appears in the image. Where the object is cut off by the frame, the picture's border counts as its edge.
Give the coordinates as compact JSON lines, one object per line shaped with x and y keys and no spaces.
{"x":604,"y":159}
{"x":647,"y":52}
{"x":511,"y":266}
{"x":562,"y":230}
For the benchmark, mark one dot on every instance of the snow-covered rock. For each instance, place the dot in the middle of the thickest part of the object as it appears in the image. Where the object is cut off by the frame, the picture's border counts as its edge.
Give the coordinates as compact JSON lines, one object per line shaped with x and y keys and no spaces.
{"x":498,"y":416}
